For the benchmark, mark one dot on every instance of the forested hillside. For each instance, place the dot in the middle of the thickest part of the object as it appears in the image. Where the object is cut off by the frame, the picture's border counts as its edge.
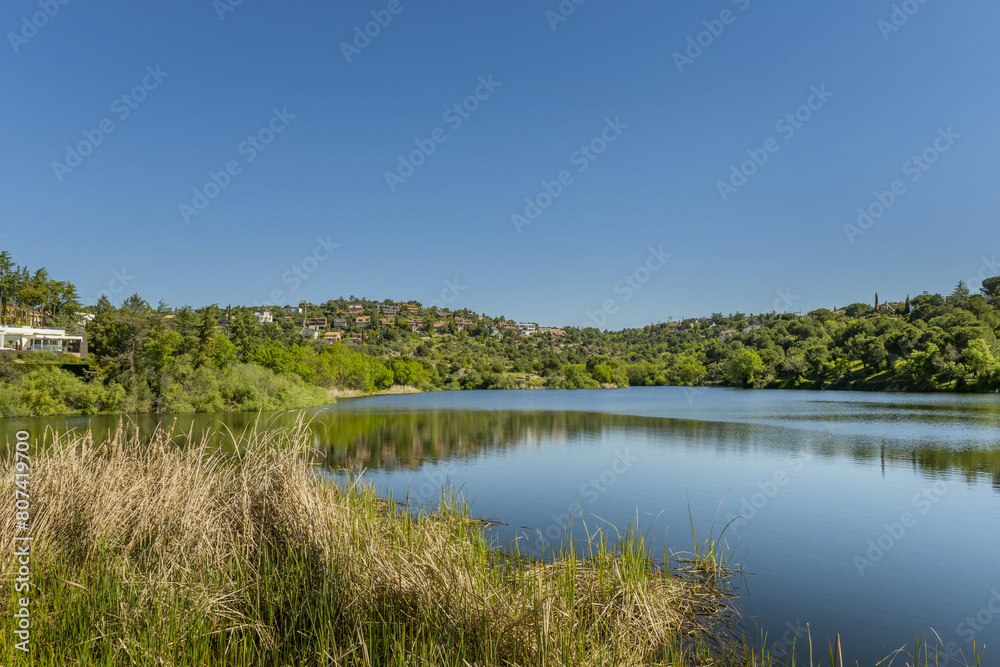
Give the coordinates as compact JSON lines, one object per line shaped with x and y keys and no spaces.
{"x":213,"y":359}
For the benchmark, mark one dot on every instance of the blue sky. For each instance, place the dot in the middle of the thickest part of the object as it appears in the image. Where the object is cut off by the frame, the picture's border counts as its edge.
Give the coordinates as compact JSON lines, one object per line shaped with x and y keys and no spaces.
{"x":329,"y":126}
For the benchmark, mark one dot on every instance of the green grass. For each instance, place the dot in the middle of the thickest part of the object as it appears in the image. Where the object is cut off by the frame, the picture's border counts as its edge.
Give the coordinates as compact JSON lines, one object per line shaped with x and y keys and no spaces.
{"x":157,"y":554}
{"x":150,"y":553}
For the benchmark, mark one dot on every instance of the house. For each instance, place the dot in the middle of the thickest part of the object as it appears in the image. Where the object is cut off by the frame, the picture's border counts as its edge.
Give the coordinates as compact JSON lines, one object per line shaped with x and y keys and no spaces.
{"x":37,"y":339}
{"x":507,"y":325}
{"x":557,"y":333}
{"x":332,"y":337}
{"x":526,"y":328}
{"x":356,"y":338}
{"x":292,"y":310}
{"x":388,"y":309}
{"x":461,"y":323}
{"x":340,"y":323}
{"x":84,"y":318}
{"x":264,"y":316}
{"x":410,"y":308}
{"x":354,"y":309}
{"x":727,"y":333}
{"x":416,"y":326}
{"x":388,"y":321}
{"x":363,"y":321}
{"x":443,"y":314}
{"x":439,"y":325}
{"x":316,"y":323}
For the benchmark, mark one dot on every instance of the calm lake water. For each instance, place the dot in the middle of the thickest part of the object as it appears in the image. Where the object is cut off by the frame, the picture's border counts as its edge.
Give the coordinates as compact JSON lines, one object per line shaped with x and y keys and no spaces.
{"x":872,"y":515}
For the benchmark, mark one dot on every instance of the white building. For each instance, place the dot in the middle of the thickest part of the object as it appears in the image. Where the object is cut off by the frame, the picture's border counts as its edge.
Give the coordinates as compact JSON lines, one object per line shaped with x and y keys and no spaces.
{"x":264,"y":316}
{"x":26,"y":339}
{"x":526,"y":328}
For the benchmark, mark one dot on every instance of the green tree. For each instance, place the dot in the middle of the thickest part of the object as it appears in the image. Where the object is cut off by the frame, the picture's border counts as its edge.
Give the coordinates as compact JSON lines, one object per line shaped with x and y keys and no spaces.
{"x":577,"y":377}
{"x":744,"y":368}
{"x":961,"y":292}
{"x":991,"y":287}
{"x":979,"y":358}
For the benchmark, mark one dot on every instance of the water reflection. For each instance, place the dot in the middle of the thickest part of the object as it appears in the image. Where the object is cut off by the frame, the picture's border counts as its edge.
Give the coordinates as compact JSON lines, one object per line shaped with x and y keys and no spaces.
{"x":357,"y":438}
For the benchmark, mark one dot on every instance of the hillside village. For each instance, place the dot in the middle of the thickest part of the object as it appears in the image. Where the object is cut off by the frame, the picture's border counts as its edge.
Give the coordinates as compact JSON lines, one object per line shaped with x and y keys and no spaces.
{"x":354,"y":321}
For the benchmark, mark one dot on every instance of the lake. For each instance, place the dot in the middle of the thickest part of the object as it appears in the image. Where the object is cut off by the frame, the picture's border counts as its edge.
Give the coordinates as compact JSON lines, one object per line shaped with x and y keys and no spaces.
{"x":869,"y":514}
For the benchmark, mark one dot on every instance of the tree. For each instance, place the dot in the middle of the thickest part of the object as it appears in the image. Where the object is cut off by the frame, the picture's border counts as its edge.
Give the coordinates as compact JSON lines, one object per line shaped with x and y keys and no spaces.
{"x":244,"y":330}
{"x":991,"y":287}
{"x":744,"y":368}
{"x":979,"y":358}
{"x":856,"y":310}
{"x":103,"y":306}
{"x":8,"y":273}
{"x":961,"y":291}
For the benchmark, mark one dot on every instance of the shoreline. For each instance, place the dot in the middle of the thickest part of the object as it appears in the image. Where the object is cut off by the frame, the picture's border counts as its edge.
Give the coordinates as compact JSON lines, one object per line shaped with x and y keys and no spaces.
{"x":224,"y":559}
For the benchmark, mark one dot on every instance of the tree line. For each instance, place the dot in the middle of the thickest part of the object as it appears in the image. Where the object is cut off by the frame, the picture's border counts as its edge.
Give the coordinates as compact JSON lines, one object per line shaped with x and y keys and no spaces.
{"x":214,"y":359}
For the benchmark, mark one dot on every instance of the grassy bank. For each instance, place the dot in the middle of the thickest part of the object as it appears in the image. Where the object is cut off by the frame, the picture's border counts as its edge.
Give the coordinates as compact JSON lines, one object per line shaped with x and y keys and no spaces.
{"x":153,"y":554}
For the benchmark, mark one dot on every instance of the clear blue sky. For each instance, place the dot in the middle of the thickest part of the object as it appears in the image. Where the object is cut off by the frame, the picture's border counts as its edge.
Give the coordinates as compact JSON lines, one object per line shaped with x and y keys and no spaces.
{"x":657,"y":184}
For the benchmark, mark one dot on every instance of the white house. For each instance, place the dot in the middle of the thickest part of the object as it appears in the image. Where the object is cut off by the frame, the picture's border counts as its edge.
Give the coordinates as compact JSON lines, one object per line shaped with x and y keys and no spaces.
{"x":264,"y":316}
{"x":27,"y":339}
{"x":526,"y":328}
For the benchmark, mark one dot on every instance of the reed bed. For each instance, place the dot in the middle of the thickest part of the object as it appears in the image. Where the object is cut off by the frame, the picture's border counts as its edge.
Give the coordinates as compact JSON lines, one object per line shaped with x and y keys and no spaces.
{"x":156,"y":551}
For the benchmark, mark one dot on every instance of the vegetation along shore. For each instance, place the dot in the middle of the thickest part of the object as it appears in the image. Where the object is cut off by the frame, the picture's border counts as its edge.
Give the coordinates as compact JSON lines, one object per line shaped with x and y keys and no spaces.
{"x":149,"y":552}
{"x":139,"y":358}
{"x":237,"y":550}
